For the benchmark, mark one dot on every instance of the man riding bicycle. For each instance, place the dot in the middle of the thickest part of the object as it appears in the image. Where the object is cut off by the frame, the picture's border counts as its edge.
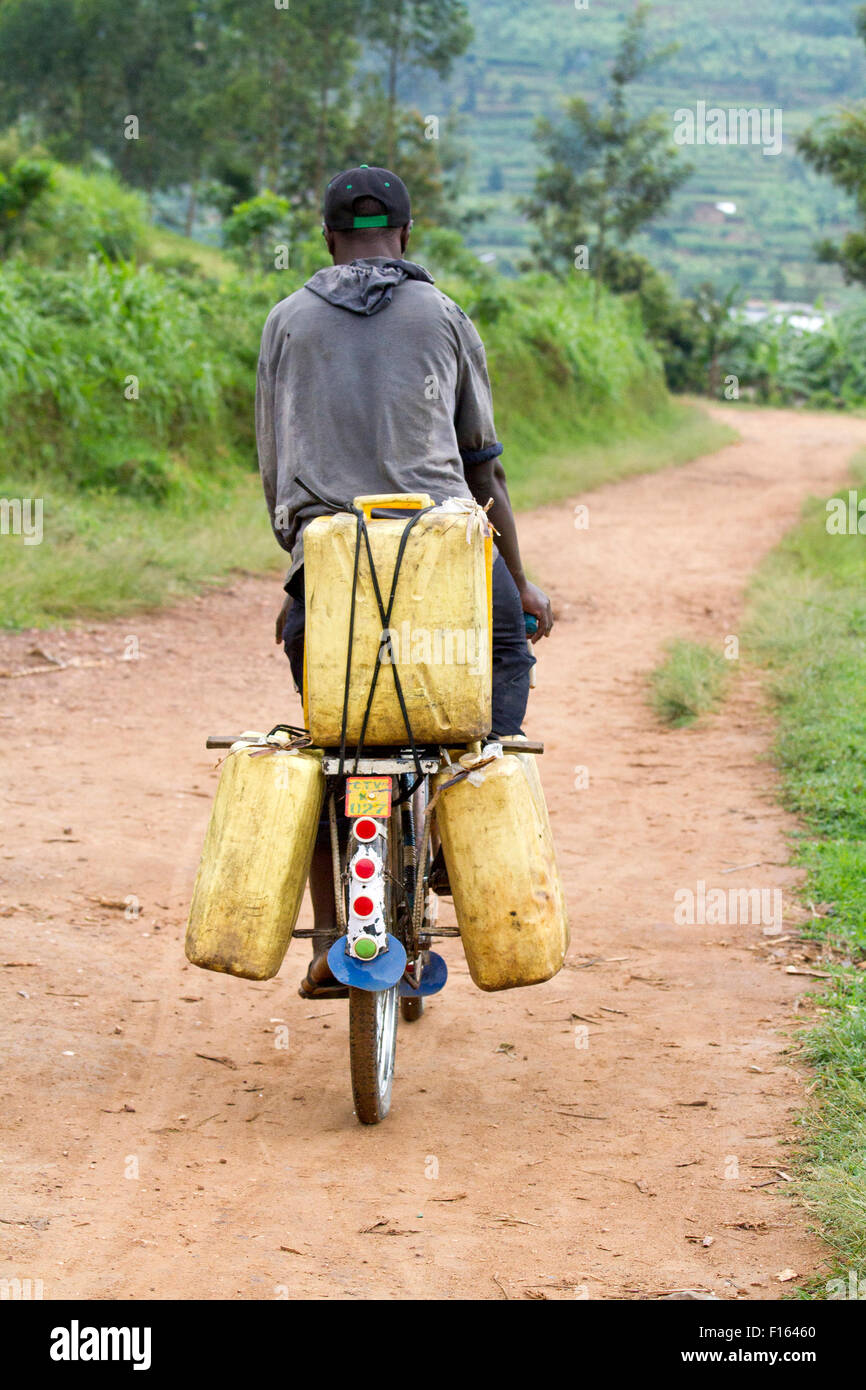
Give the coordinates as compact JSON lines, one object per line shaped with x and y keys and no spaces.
{"x":370,"y":381}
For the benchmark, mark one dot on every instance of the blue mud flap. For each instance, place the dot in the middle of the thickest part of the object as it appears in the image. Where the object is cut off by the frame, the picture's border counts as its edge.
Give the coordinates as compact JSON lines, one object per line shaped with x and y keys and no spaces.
{"x":433,"y":978}
{"x":380,"y":973}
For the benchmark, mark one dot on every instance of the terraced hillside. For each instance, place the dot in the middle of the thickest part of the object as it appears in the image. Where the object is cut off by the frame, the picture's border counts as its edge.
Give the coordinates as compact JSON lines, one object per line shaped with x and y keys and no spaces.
{"x":795,"y":55}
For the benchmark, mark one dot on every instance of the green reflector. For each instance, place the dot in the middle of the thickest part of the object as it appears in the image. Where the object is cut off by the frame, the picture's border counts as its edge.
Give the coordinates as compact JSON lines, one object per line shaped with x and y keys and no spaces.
{"x":371,"y":221}
{"x":365,"y":948}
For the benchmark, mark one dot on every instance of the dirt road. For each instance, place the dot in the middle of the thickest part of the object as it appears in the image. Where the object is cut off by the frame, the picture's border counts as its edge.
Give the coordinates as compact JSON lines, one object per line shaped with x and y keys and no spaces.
{"x":615,"y":1133}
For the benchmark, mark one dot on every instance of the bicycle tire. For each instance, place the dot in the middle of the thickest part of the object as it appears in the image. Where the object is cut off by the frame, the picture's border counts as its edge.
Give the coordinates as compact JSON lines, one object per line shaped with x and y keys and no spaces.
{"x":372,"y":1049}
{"x":411,"y":1009}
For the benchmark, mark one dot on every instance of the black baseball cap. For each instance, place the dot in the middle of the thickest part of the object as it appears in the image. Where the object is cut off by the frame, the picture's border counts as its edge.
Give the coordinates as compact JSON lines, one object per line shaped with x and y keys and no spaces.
{"x":366,"y":182}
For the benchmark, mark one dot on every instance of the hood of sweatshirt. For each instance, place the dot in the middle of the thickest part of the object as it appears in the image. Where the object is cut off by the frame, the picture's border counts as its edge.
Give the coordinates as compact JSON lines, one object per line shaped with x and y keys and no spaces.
{"x":364,"y":286}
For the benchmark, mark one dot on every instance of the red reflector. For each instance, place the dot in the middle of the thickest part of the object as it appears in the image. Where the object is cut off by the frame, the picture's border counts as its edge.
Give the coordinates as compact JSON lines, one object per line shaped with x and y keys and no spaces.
{"x":365,"y":829}
{"x":364,"y":868}
{"x":363,"y":906}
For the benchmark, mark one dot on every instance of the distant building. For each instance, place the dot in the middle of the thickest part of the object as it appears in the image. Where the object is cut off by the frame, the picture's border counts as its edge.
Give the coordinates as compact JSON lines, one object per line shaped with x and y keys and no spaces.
{"x":712,"y":213}
{"x":803,"y":318}
{"x":708,"y":214}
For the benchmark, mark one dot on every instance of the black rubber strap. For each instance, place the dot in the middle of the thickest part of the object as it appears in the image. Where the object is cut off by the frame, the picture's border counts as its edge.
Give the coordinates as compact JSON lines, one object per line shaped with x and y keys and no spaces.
{"x":345,"y":719}
{"x":325,"y":501}
{"x":385,"y":618}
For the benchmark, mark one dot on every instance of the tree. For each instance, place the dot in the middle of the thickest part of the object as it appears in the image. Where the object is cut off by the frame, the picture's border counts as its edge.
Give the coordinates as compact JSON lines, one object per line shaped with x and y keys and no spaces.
{"x":85,"y":71}
{"x":227,"y":98}
{"x":255,"y":95}
{"x":432,"y":169}
{"x":415,"y":33}
{"x":608,"y":172}
{"x":287,"y":82}
{"x":44,"y":66}
{"x":837,"y":147}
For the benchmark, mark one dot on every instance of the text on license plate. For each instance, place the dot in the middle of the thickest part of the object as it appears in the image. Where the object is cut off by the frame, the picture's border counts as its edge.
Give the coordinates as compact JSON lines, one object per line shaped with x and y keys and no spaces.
{"x":368,"y":796}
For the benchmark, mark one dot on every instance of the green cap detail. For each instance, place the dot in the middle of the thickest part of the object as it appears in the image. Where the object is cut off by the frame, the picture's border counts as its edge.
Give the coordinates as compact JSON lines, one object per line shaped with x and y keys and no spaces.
{"x":365,"y":948}
{"x":364,"y":166}
{"x":371,"y":221}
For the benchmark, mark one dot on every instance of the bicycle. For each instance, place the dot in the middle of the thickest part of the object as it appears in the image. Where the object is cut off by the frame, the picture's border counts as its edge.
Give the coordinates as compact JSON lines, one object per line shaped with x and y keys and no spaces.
{"x":385,"y":909}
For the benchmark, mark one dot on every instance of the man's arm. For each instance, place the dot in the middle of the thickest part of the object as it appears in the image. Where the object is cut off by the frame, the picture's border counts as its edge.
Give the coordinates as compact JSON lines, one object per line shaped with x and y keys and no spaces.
{"x":266,"y":446}
{"x":487,"y":480}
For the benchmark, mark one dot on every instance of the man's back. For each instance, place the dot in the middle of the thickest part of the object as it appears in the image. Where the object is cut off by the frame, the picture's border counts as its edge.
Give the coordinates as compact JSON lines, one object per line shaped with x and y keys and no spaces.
{"x":370,"y":381}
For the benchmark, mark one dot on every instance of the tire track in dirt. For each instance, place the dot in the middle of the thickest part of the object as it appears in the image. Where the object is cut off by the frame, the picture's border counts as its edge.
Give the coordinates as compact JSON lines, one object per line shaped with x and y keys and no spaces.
{"x":510,"y":1151}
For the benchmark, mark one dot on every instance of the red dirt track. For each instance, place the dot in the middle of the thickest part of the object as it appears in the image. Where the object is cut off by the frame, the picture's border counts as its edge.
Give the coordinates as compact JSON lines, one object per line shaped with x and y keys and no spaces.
{"x":514,"y":1163}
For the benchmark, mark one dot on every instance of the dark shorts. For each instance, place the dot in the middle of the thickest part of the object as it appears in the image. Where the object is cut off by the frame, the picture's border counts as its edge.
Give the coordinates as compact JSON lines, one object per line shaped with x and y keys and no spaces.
{"x":512,"y":660}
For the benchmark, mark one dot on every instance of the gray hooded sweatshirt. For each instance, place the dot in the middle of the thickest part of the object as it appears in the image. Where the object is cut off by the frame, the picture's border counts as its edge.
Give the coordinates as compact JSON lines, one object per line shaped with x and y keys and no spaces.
{"x":370,"y":380}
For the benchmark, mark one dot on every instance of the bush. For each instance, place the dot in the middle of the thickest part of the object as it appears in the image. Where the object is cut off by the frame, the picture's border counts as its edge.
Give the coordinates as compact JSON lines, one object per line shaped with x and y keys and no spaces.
{"x":85,"y":214}
{"x":21,"y":186}
{"x":131,"y":370}
{"x":256,"y":224}
{"x":125,"y":370}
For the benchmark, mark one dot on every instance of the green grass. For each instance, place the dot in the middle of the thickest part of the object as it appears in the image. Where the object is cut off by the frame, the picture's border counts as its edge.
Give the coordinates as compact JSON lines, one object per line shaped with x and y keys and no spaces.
{"x":104,"y":555}
{"x":166,"y":249}
{"x":807,"y":625}
{"x":689,"y":682}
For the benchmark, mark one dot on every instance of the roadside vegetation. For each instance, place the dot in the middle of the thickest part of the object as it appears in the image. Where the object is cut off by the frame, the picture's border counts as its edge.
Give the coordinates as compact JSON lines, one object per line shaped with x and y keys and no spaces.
{"x":801,"y":56}
{"x":609,"y":172}
{"x":689,"y":682}
{"x":807,"y":625}
{"x":127,"y":379}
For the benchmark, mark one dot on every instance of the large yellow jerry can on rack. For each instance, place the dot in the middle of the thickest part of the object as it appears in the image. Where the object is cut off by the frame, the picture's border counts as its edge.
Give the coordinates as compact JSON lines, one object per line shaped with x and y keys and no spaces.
{"x":440,"y":626}
{"x":501,"y":863}
{"x":255,"y":861}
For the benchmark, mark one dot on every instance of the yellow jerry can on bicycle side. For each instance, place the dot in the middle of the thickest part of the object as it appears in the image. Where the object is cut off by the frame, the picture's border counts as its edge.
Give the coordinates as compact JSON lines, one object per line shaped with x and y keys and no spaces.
{"x":440,"y":625}
{"x":255,"y":861}
{"x":502,"y":868}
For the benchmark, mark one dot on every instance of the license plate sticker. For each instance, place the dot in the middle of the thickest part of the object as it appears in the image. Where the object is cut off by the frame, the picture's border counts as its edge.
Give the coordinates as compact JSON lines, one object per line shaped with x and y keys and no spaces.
{"x":368,"y":796}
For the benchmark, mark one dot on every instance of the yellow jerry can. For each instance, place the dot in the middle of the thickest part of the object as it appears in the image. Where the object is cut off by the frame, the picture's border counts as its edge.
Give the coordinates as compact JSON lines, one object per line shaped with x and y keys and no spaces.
{"x":501,"y":863}
{"x":440,"y":626}
{"x":255,"y":861}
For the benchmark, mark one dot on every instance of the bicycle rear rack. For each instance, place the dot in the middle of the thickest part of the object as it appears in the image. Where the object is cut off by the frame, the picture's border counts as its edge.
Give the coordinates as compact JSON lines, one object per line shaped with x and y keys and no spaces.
{"x":394,"y":761}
